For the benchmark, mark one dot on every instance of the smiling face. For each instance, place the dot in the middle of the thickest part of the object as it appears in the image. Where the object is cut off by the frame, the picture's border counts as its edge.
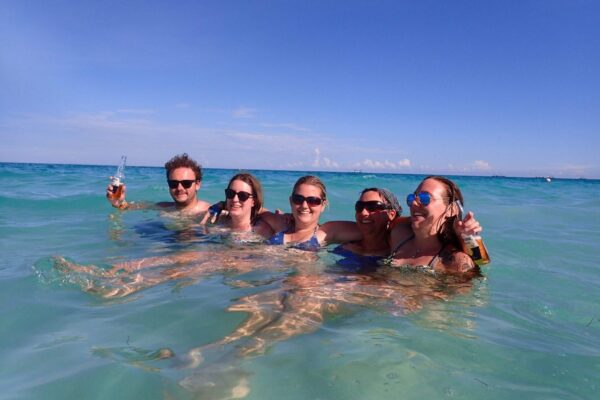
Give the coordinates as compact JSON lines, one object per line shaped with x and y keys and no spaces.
{"x":374,"y":222}
{"x":236,"y":207}
{"x":305,"y":214}
{"x":182,"y":196}
{"x":429,"y":218}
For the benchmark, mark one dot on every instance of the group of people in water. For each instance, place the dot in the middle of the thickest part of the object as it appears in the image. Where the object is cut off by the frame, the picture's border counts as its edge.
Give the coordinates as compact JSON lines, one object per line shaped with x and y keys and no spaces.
{"x":427,"y":239}
{"x":379,"y":238}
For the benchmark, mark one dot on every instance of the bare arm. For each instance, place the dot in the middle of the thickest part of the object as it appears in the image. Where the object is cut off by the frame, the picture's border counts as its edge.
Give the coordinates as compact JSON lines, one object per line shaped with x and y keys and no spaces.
{"x":339,"y":232}
{"x":123,"y":204}
{"x":276,"y":222}
{"x":263,"y":229}
{"x":458,"y":262}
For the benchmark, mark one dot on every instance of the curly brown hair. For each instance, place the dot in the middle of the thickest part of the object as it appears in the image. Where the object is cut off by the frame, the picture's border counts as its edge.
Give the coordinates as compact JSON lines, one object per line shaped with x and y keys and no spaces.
{"x":184,"y":161}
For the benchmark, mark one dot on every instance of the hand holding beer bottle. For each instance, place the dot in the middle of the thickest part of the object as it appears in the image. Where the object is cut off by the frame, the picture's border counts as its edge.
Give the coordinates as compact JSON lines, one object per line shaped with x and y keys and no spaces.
{"x":115,"y":192}
{"x":468,"y":230}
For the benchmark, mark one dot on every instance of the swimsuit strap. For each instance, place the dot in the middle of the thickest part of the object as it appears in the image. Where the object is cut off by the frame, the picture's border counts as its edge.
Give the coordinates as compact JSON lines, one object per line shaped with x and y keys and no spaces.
{"x":310,"y":244}
{"x":314,"y":235}
{"x":402,"y":243}
{"x":430,"y":264}
{"x":310,"y":239}
{"x":279,"y":238}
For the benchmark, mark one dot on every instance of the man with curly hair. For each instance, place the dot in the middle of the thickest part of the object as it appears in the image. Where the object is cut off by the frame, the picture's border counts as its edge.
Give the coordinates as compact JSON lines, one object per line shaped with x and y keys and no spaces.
{"x":184,"y":177}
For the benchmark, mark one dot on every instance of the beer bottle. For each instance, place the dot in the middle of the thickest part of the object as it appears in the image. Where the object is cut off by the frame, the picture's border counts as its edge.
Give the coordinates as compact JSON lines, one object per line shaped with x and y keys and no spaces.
{"x":118,"y":180}
{"x":473,"y":244}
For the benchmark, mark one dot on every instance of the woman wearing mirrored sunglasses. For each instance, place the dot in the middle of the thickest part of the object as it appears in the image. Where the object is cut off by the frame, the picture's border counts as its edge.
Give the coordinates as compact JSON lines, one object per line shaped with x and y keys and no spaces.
{"x":431,"y":240}
{"x":301,"y":229}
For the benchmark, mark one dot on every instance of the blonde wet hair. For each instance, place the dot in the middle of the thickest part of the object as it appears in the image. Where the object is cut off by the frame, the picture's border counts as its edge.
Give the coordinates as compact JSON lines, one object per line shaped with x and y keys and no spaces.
{"x":313,"y":181}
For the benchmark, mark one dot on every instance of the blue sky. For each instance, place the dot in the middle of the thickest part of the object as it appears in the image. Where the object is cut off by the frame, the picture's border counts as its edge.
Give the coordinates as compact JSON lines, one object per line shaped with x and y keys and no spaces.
{"x":451,"y":87}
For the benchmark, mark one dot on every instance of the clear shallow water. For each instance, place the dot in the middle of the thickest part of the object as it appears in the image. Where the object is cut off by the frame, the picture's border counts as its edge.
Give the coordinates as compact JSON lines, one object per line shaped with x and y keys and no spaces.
{"x":530,"y":327}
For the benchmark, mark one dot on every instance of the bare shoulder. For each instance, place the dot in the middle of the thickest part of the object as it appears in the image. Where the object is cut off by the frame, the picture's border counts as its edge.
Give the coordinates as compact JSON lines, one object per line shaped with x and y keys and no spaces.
{"x":335,"y":225}
{"x":400,"y":231}
{"x":339,"y":232}
{"x":263,"y":229}
{"x":277,"y":222}
{"x":201,"y":206}
{"x":456,"y":261}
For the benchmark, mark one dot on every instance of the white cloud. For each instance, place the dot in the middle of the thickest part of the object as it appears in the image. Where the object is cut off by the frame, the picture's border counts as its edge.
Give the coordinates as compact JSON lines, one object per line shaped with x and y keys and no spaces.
{"x":294,"y":165}
{"x":327,"y":163}
{"x":143,"y":136}
{"x":259,"y":137}
{"x":323,"y":162}
{"x":317,"y":162}
{"x":481,"y":165}
{"x":244,"y":112}
{"x":383,"y":165}
{"x":404,"y":163}
{"x":289,"y":126}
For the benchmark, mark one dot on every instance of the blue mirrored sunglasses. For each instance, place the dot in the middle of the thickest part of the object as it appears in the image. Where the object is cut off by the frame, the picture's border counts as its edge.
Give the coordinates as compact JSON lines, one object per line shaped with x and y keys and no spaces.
{"x":423,"y":198}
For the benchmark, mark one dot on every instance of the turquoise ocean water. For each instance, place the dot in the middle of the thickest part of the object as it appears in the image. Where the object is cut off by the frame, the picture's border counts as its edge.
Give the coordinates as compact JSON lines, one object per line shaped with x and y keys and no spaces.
{"x":530,"y":327}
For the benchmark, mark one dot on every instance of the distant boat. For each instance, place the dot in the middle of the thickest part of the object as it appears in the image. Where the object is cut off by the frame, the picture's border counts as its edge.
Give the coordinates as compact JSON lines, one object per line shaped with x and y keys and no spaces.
{"x":548,"y":179}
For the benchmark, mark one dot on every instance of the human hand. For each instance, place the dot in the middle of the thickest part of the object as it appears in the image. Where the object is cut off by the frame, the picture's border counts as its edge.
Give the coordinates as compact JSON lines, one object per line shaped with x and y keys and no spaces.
{"x":214,"y":212}
{"x":468,"y":226}
{"x":115,"y":196}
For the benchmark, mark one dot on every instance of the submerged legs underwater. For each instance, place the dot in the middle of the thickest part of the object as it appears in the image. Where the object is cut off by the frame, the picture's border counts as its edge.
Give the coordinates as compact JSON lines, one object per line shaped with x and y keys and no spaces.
{"x":300,"y":299}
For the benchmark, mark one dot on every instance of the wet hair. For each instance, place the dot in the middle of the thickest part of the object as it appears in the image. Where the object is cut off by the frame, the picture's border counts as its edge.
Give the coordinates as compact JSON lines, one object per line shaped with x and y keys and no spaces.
{"x":311,"y":180}
{"x":183,"y":161}
{"x":256,"y":192}
{"x":446,"y":232}
{"x":388,"y":198}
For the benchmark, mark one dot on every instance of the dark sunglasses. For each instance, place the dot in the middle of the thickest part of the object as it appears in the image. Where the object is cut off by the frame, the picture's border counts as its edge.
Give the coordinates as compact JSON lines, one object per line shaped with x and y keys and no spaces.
{"x":312,"y":201}
{"x":242,"y":196}
{"x":186,"y":183}
{"x":423,"y":198}
{"x":371,"y":206}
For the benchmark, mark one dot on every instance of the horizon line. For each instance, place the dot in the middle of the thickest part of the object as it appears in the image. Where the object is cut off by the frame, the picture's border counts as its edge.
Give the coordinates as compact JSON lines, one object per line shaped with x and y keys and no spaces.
{"x":356,"y":171}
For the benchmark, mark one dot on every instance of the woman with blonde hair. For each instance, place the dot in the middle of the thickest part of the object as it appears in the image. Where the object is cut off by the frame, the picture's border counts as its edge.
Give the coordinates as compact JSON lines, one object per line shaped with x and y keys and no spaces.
{"x":301,"y":228}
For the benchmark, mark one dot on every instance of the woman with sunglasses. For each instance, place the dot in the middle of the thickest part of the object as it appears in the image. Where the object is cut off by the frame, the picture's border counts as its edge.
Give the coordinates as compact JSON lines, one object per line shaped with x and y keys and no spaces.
{"x":431,"y":240}
{"x":302,"y":229}
{"x":244,"y":204}
{"x":375,"y":211}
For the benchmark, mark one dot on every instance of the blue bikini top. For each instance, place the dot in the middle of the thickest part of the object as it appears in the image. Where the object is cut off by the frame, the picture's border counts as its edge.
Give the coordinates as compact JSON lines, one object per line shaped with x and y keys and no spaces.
{"x":354,"y":261}
{"x":311,"y":244}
